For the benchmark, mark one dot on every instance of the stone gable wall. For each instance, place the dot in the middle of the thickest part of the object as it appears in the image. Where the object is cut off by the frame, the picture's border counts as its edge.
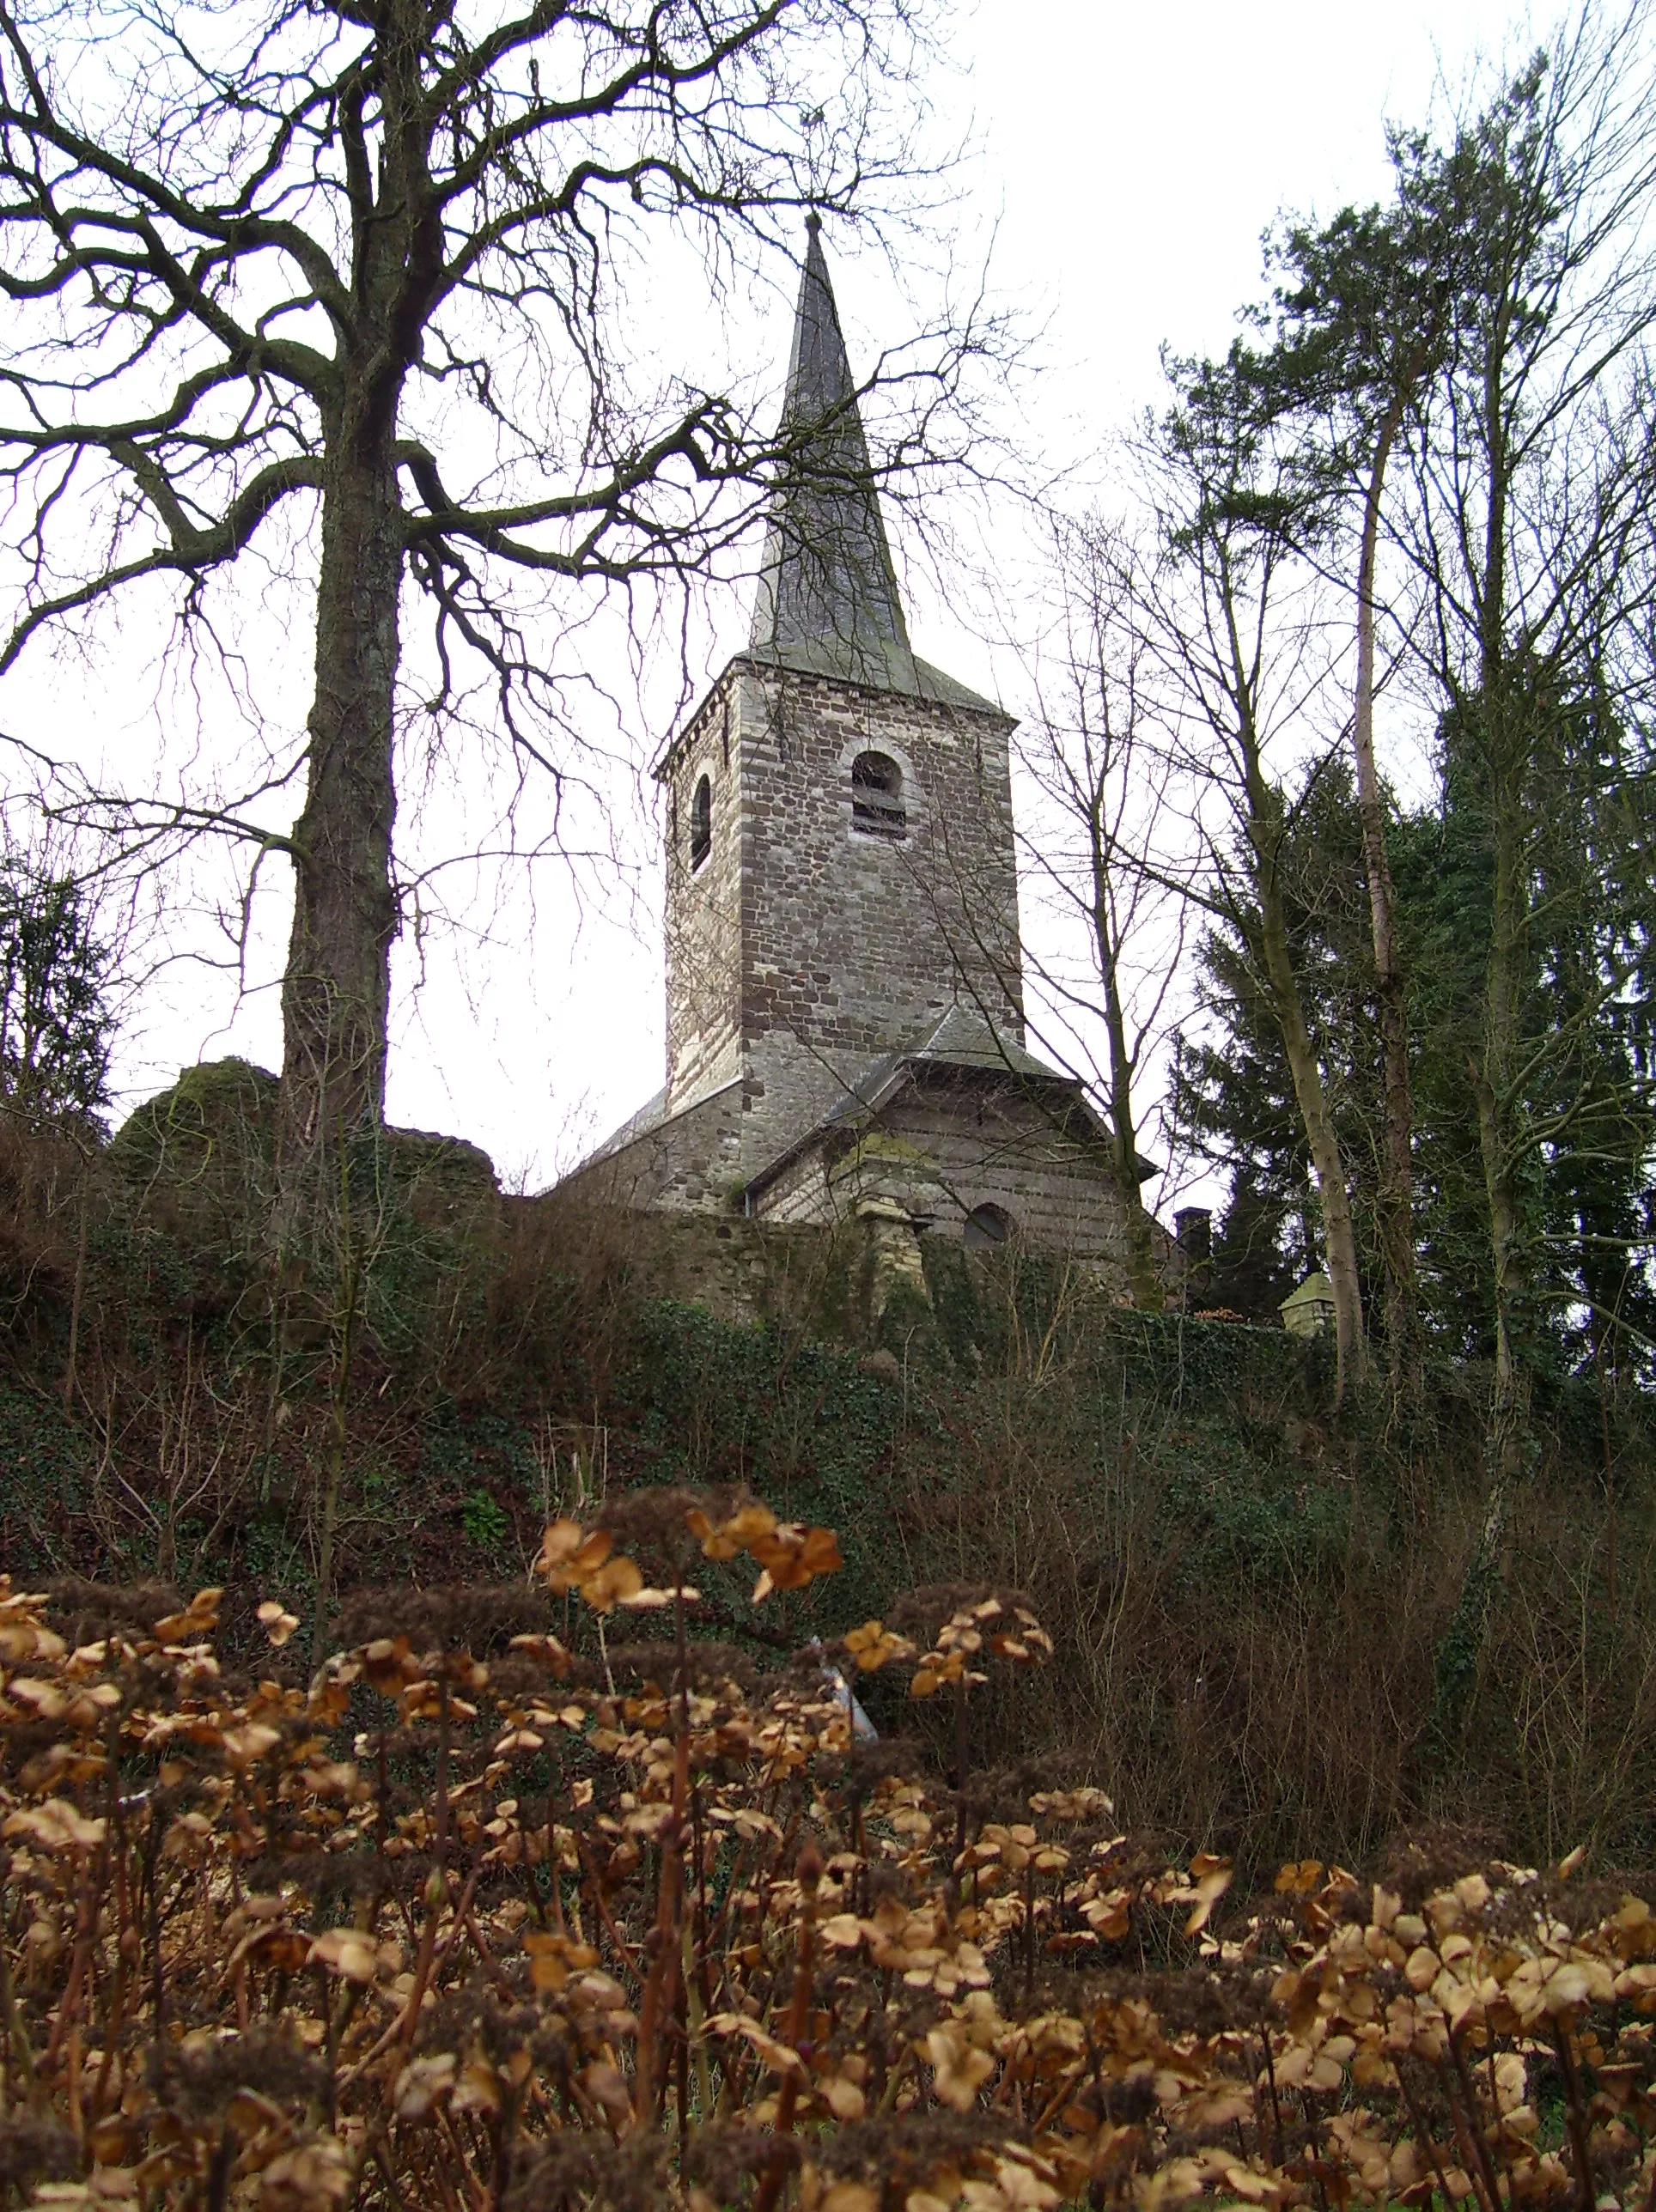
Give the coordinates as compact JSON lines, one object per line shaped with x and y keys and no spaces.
{"x":690,"y":1163}
{"x":1006,"y":1153}
{"x":942,"y":1152}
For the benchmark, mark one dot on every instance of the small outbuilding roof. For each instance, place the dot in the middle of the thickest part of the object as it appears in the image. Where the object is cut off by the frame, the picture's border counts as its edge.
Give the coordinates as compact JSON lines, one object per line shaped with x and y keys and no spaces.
{"x":962,"y":1040}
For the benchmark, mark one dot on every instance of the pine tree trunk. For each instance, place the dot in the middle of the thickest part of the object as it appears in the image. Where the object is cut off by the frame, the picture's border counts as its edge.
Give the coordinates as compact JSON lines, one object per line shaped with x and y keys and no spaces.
{"x":1339,"y":1235}
{"x":1395,"y":1195}
{"x":336,"y":991}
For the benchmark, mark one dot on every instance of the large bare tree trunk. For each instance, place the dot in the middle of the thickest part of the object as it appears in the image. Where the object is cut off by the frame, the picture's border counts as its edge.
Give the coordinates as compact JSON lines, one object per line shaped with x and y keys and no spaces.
{"x":336,"y":991}
{"x":1395,"y":1196}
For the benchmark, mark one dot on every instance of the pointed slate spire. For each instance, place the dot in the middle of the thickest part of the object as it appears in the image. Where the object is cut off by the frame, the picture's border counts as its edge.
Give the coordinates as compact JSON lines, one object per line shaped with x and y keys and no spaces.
{"x":828,"y":597}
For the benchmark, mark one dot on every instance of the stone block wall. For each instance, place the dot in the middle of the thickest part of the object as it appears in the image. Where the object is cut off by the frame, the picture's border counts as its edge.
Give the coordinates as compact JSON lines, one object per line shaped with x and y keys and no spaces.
{"x":1004,"y":1150}
{"x":804,"y":948}
{"x":689,"y":1162}
{"x":942,"y":1150}
{"x":703,"y":904}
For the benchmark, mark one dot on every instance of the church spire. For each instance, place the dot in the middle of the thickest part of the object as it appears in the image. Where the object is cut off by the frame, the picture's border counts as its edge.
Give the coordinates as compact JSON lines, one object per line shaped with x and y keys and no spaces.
{"x":827,"y":598}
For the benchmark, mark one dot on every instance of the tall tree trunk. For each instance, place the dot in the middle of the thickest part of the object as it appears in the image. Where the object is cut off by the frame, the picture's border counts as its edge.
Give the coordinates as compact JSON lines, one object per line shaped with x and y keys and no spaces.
{"x":1507,"y":1438}
{"x":1490,"y":1074}
{"x":1143,"y":1277}
{"x":1265,"y":832}
{"x":334,"y":993}
{"x":1395,"y":1196}
{"x":1334,"y":1198}
{"x":1491,"y":1079}
{"x":1506,"y":741}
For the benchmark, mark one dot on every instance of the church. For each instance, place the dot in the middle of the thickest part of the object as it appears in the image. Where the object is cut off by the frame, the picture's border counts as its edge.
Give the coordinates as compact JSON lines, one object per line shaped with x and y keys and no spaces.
{"x":845,"y":1029}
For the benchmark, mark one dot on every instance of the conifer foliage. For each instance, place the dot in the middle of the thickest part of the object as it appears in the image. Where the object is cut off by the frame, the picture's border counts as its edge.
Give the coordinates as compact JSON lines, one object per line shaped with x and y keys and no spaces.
{"x":56,"y":969}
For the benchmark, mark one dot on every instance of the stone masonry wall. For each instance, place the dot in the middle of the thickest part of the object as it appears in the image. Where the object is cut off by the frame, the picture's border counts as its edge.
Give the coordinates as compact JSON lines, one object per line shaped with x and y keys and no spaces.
{"x":703,"y":905}
{"x":1006,"y":1153}
{"x":805,"y":949}
{"x":855,"y":944}
{"x":943,"y":1152}
{"x":690,"y":1162}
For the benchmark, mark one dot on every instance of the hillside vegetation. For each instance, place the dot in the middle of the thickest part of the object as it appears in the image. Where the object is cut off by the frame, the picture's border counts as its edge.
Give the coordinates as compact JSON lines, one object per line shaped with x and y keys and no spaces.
{"x":493,"y":1912}
{"x":1265,"y":1646}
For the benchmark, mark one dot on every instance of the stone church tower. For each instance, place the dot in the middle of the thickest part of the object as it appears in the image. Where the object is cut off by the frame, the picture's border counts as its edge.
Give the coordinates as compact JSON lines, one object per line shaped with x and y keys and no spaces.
{"x":845,"y":1026}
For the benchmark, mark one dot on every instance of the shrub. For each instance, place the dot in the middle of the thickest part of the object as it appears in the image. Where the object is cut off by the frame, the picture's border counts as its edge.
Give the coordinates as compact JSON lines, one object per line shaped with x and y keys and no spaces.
{"x":496,"y":1911}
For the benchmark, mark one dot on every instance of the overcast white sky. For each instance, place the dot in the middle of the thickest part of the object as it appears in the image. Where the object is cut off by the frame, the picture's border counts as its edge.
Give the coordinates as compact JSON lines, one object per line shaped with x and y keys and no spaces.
{"x":1127,"y":159}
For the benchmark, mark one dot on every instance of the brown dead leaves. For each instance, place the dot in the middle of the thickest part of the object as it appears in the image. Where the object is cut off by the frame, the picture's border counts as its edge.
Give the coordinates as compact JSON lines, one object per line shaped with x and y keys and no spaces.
{"x":873,"y":1644}
{"x":971,"y":1635}
{"x":571,"y":1559}
{"x":789,"y":1556}
{"x":636,"y":1917}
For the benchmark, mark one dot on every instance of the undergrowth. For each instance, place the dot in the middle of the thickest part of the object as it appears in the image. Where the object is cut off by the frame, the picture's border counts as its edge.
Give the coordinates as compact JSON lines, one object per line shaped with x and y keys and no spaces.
{"x":541,"y":1895}
{"x":1254,"y":1603}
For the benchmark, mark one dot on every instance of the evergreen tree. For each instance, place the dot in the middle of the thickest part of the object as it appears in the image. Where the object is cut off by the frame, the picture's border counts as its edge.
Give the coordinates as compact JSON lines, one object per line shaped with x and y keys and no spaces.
{"x":1233,"y":1086}
{"x":56,"y":1026}
{"x":1583,"y":1117}
{"x":1587,"y":1111}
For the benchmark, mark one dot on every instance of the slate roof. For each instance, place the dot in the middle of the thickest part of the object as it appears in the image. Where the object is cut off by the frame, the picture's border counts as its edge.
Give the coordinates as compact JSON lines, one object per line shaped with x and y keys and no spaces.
{"x":961,"y":1039}
{"x":828,"y":602}
{"x":652,"y":1115}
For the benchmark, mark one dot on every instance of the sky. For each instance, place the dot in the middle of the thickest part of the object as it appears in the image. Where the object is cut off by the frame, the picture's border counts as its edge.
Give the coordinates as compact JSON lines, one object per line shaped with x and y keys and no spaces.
{"x":1122,"y":164}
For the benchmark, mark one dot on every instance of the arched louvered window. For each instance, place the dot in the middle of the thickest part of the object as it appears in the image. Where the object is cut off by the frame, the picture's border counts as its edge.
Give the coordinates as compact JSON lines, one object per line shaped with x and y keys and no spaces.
{"x":987,"y":1225}
{"x":877,"y":807}
{"x":701,"y":823}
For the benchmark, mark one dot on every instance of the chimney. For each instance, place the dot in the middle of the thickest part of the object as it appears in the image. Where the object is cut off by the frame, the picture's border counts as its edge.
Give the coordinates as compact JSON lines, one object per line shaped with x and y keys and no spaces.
{"x":1193,"y":1232}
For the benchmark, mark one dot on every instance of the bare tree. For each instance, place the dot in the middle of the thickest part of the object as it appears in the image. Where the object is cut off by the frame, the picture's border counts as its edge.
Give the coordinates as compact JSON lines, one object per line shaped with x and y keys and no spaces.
{"x":1104,"y":785}
{"x":1528,"y":522}
{"x":377,"y":269}
{"x":1241,"y":636}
